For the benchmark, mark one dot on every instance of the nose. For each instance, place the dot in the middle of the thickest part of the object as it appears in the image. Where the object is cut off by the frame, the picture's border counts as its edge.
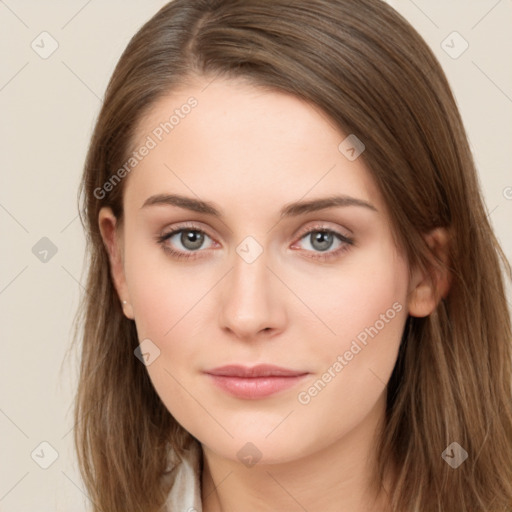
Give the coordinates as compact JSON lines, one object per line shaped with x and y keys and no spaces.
{"x":252,"y":300}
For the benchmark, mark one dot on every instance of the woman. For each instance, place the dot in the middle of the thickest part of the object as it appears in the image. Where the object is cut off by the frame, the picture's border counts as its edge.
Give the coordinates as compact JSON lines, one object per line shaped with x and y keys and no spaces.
{"x":295,"y":299}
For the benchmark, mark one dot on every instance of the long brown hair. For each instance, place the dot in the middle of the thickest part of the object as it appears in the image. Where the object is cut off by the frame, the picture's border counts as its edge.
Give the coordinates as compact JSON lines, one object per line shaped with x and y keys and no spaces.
{"x":365,"y":67}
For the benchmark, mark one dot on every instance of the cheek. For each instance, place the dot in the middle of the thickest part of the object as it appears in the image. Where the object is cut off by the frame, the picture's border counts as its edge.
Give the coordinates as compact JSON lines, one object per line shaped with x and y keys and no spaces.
{"x":163,"y":295}
{"x":366,"y":310}
{"x":363,"y":300}
{"x":161,"y":291}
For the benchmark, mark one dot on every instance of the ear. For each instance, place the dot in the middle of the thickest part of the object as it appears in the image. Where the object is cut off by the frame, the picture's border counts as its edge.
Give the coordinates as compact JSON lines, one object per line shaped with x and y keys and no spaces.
{"x":113,"y":241}
{"x":427,"y":288}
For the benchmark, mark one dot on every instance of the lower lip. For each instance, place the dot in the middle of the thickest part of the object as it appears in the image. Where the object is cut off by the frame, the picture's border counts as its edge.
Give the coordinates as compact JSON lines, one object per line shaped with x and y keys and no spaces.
{"x":253,"y":388}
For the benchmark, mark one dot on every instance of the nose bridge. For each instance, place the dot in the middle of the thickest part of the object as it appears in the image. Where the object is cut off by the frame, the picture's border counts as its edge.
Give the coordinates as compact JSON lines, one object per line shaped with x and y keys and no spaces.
{"x":250,"y":302}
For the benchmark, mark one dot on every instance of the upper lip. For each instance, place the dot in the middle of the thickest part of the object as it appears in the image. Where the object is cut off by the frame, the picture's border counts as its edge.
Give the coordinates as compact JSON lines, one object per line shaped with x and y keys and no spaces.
{"x":260,"y":370}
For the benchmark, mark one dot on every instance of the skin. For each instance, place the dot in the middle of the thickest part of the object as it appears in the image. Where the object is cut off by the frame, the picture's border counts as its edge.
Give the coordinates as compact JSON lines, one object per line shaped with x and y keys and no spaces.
{"x":251,"y":151}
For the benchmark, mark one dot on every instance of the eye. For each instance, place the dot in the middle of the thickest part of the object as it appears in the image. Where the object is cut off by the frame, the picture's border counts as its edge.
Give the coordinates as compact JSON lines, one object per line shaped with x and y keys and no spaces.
{"x":321,"y":240}
{"x":190,"y":238}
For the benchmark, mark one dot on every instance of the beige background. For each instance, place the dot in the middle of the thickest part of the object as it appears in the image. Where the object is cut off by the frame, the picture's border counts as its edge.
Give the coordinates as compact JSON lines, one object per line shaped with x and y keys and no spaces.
{"x":48,"y":107}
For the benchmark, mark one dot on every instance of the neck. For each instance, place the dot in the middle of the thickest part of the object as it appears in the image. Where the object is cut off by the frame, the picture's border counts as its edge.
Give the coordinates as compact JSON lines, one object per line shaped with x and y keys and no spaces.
{"x":337,"y":478}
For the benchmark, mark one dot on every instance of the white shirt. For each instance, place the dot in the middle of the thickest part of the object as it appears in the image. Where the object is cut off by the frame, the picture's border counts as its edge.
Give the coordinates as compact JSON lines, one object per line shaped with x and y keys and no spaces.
{"x":185,"y":494}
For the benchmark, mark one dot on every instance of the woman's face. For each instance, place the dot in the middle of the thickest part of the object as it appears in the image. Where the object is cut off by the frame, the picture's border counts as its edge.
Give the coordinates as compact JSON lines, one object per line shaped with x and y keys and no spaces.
{"x":258,"y":281}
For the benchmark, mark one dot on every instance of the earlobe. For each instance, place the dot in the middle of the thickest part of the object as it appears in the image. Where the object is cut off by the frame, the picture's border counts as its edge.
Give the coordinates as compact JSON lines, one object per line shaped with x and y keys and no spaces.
{"x":112,"y":240}
{"x":429,"y":287}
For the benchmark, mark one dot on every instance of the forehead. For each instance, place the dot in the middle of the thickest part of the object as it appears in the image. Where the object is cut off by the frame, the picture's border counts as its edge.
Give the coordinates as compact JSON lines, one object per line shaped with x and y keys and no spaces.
{"x":232,"y":141}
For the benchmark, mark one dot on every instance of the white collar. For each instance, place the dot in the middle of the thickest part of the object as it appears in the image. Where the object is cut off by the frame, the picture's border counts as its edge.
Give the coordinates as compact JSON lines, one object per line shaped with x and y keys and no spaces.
{"x":185,"y":494}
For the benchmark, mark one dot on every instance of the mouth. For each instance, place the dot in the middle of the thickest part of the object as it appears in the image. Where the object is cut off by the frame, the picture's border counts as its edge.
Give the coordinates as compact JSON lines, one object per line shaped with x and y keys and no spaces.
{"x":254,"y":382}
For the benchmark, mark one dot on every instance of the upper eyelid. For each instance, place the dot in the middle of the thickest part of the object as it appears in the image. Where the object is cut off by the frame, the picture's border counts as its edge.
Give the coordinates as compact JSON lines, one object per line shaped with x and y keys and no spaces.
{"x":185,"y":227}
{"x":322,"y":226}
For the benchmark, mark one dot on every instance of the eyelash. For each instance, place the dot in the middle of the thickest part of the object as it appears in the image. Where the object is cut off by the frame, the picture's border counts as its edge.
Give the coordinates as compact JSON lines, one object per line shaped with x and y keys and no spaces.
{"x":327,"y":256}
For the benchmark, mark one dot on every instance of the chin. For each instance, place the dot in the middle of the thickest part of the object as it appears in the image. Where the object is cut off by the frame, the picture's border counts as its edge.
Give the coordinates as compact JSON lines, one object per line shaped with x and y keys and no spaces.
{"x":250,"y":447}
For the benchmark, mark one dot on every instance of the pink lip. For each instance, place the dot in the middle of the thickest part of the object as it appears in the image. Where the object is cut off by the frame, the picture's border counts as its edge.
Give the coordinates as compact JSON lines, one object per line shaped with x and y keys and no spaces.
{"x":254,"y":382}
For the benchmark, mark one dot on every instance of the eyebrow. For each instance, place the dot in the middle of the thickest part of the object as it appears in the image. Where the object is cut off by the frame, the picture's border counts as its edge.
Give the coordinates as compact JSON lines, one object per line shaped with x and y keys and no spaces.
{"x":289,"y":210}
